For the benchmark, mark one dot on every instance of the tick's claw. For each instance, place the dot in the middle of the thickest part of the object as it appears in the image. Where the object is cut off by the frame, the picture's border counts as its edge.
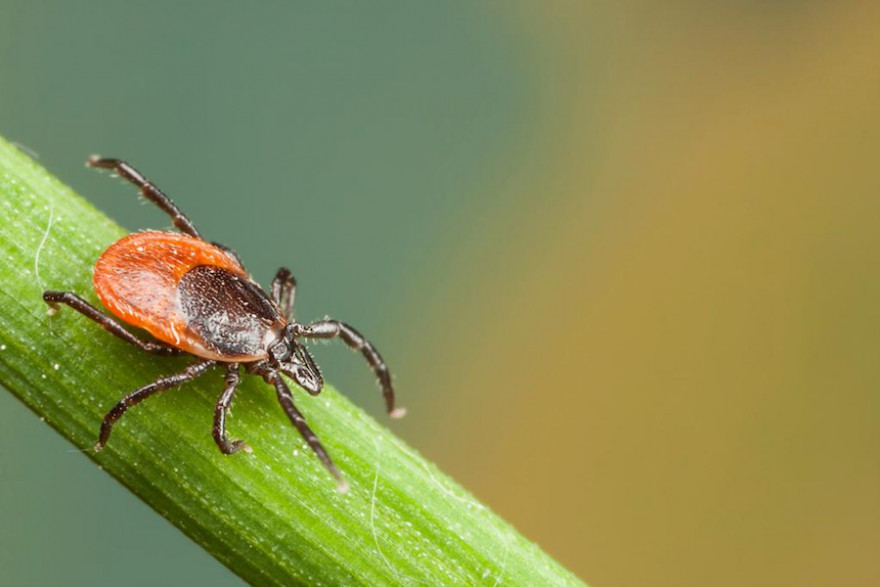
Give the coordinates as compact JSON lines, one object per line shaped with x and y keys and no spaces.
{"x":51,"y":306}
{"x":230,"y":448}
{"x":397,"y":413}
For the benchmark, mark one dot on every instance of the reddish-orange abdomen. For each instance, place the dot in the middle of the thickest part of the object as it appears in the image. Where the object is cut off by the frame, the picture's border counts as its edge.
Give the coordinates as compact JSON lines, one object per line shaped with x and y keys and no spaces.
{"x":137,"y":277}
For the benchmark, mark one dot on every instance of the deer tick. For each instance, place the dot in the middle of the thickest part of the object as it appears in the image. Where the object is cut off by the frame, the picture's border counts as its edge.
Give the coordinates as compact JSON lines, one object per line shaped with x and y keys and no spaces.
{"x":195,"y":298}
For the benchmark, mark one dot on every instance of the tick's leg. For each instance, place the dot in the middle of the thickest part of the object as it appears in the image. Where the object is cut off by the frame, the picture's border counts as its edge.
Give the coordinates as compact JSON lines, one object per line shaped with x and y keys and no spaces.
{"x":356,"y":341}
{"x":285,"y":398}
{"x":227,"y":447}
{"x":284,"y":291}
{"x":53,"y":298}
{"x":148,"y":190}
{"x":137,"y":396}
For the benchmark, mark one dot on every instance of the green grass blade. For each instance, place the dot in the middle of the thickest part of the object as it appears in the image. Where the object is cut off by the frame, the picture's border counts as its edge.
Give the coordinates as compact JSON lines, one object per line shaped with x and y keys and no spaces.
{"x":273,"y":516}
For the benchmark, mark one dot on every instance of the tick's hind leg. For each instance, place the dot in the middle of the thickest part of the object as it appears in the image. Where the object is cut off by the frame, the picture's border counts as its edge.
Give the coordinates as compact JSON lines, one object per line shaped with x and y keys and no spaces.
{"x":284,"y":292}
{"x":356,"y":341}
{"x":227,"y":447}
{"x":285,"y":398}
{"x":148,"y":190}
{"x":139,"y":395}
{"x":53,"y":298}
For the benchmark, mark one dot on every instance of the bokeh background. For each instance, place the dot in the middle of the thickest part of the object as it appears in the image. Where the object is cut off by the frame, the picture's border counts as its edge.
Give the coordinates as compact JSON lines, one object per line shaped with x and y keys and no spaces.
{"x":623,"y":259}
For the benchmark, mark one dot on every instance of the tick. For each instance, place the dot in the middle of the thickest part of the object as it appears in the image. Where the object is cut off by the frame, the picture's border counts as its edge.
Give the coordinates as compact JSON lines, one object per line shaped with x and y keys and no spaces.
{"x":195,"y":298}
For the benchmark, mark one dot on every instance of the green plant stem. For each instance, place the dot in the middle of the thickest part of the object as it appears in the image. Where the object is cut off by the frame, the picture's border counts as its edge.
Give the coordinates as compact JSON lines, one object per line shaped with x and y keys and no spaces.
{"x":272,"y":516}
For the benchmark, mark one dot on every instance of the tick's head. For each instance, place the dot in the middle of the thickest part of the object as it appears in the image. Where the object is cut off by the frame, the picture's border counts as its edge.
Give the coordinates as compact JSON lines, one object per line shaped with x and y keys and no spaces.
{"x":293,"y":359}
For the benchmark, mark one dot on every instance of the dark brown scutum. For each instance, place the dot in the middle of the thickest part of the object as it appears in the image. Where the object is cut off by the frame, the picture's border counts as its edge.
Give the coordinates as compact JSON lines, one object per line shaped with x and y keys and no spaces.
{"x":230,"y":314}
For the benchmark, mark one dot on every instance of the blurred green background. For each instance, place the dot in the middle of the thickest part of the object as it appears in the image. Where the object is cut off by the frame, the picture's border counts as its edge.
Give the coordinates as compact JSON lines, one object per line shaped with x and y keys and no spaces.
{"x":622,"y":259}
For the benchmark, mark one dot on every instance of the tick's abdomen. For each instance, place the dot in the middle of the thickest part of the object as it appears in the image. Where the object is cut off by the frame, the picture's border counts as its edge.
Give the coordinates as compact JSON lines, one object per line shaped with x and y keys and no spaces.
{"x":187,"y":293}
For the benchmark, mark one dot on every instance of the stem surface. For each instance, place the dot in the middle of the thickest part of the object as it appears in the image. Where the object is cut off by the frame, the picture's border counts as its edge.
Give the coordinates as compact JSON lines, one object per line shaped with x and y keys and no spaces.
{"x":272,"y":516}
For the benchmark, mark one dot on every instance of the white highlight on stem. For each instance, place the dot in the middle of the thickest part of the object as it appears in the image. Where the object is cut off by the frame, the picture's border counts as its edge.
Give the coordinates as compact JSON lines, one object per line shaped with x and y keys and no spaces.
{"x":41,"y":245}
{"x":373,"y":521}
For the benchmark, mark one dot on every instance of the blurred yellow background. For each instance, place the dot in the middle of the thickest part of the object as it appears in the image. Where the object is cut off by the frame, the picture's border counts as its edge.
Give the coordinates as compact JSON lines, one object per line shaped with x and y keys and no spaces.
{"x":673,"y":365}
{"x":623,"y":258}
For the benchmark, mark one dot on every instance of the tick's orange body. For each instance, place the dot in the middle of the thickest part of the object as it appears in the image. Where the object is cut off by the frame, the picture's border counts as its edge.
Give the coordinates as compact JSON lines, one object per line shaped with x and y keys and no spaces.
{"x":137,"y":279}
